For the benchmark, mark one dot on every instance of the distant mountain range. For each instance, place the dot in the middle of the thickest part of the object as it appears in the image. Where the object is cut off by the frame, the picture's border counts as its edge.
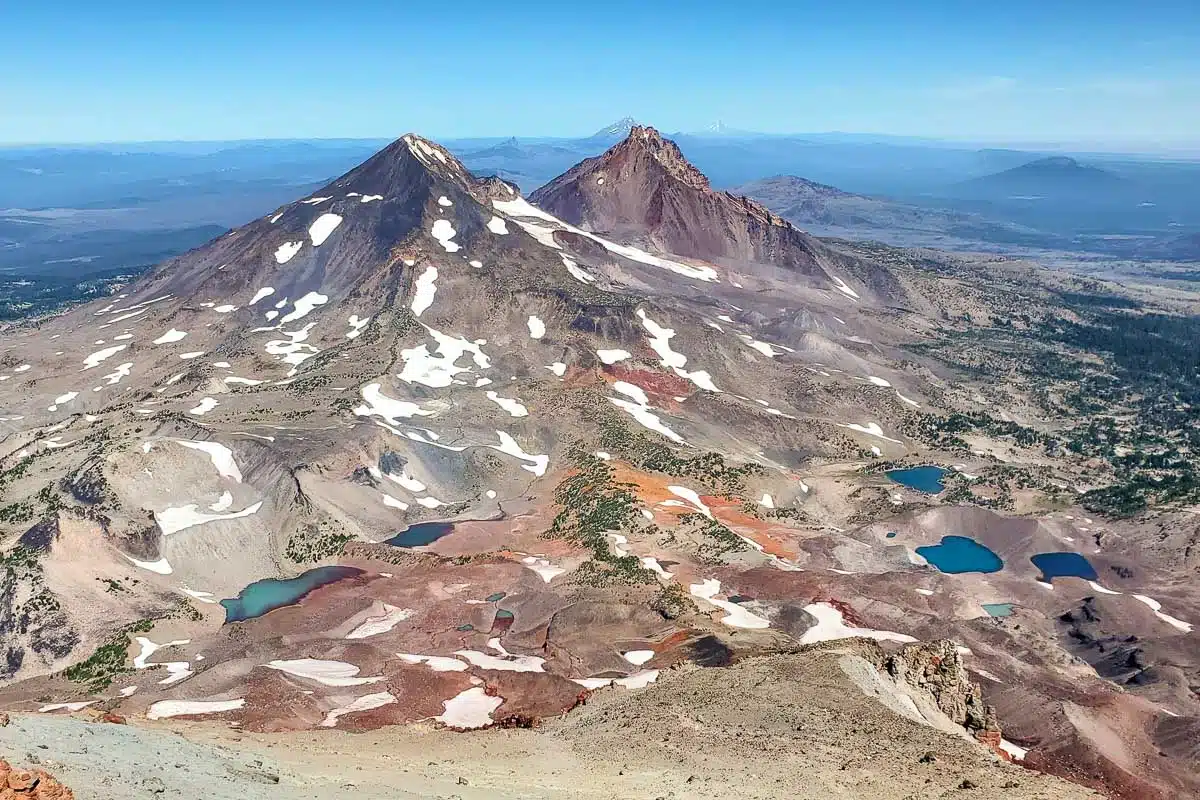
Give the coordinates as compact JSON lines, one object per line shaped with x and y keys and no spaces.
{"x":829,"y":211}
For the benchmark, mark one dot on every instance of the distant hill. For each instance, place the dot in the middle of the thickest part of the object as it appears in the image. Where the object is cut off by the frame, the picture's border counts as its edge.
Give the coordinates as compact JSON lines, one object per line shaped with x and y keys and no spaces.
{"x":509,"y":148}
{"x":1053,"y":177}
{"x":829,"y":211}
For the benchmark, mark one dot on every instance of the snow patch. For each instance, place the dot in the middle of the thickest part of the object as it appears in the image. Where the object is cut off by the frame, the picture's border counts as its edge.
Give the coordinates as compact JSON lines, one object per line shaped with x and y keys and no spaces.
{"x":165,"y":709}
{"x":831,"y":625}
{"x":1156,"y":607}
{"x":264,"y":292}
{"x":382,"y":623}
{"x":444,"y":232}
{"x":469,"y":709}
{"x":172,"y":335}
{"x":424,"y":290}
{"x":736,"y":616}
{"x":519,"y":207}
{"x":327,"y":673}
{"x":613,"y":356}
{"x":286,"y":251}
{"x":437,"y":370}
{"x":206,"y":405}
{"x":174,"y":519}
{"x":364,"y":703}
{"x":537,"y":328}
{"x":508,"y":445}
{"x":302,"y":307}
{"x":220,"y":455}
{"x":356,"y":326}
{"x":638,"y":657}
{"x":513,"y":407}
{"x":660,"y":342}
{"x":841,"y":286}
{"x":94,"y":360}
{"x":392,"y":410}
{"x":323,"y":226}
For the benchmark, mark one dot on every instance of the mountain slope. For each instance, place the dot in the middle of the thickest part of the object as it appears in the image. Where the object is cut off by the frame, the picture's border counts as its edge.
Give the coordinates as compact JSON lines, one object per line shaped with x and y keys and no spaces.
{"x":643,"y":189}
{"x":444,"y":455}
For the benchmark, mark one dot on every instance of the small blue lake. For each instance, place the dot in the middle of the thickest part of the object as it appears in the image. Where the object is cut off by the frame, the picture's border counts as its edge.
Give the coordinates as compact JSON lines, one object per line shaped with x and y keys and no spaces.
{"x":421,"y":534}
{"x":957,"y":554}
{"x":1063,"y":565}
{"x":269,"y":594}
{"x":998,"y":609}
{"x":924,"y":479}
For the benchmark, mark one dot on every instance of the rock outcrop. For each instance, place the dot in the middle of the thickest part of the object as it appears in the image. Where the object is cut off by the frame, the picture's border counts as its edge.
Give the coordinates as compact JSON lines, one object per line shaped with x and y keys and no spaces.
{"x":937,"y":668}
{"x":30,"y":784}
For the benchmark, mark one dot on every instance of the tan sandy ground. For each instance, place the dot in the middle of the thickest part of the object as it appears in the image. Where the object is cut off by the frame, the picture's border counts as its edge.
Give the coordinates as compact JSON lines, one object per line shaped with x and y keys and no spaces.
{"x":795,"y":727}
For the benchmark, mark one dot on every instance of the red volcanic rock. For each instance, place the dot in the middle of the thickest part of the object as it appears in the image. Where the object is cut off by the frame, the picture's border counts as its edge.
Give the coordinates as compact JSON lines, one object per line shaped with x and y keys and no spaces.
{"x":532,"y":695}
{"x":662,"y":384}
{"x":113,"y":718}
{"x":275,"y":703}
{"x":23,"y":784}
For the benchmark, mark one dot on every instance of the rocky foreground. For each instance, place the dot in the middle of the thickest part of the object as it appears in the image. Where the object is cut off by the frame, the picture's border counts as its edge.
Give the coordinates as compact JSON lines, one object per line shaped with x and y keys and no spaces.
{"x":821,"y":723}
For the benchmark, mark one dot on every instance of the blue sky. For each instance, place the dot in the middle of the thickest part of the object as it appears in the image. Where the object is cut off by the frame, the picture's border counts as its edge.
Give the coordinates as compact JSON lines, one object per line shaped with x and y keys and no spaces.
{"x":1102,"y":72}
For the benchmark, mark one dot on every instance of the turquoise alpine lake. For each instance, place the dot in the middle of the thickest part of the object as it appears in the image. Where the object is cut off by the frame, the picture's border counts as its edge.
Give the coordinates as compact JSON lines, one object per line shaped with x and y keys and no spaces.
{"x":958,"y":554}
{"x":1063,"y":565}
{"x":421,"y":534}
{"x":269,"y":594}
{"x":998,"y":609}
{"x":926,"y":479}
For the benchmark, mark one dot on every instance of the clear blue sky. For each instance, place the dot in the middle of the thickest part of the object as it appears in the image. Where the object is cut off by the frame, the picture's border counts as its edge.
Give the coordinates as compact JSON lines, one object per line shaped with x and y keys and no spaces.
{"x":1017,"y":70}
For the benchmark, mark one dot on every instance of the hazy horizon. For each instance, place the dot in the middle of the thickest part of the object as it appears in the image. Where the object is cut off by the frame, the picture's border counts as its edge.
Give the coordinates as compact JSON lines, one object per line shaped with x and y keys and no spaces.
{"x":1116,"y":77}
{"x":1188,"y":150}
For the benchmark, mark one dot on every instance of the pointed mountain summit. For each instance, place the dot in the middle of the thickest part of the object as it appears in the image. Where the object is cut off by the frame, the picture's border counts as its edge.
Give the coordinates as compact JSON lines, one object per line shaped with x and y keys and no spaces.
{"x":643,"y":189}
{"x":340,"y":234}
{"x":620,"y":128}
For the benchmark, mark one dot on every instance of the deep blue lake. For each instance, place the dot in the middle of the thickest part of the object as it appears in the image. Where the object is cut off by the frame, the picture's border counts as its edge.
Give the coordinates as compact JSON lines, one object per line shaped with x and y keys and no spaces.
{"x":421,"y":534}
{"x":1063,"y":565}
{"x":269,"y":594}
{"x":957,"y":554}
{"x":924,"y":479}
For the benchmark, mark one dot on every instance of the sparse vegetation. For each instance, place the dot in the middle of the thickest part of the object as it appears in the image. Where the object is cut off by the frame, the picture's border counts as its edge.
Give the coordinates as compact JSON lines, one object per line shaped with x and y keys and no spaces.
{"x":1121,"y":386}
{"x":108,"y":661}
{"x":316,"y":542}
{"x":594,"y":504}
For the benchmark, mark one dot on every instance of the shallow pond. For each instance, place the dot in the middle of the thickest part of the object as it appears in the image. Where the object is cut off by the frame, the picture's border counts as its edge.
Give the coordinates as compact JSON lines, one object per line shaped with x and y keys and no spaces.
{"x":926,"y":479}
{"x":998,"y":609}
{"x":957,"y":554}
{"x":269,"y":594}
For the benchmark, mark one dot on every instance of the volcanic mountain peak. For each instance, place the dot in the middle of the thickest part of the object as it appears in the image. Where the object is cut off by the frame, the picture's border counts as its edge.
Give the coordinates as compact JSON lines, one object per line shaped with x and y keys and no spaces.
{"x":646,"y":142}
{"x":409,"y":159}
{"x":619,"y":128}
{"x":643,"y":189}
